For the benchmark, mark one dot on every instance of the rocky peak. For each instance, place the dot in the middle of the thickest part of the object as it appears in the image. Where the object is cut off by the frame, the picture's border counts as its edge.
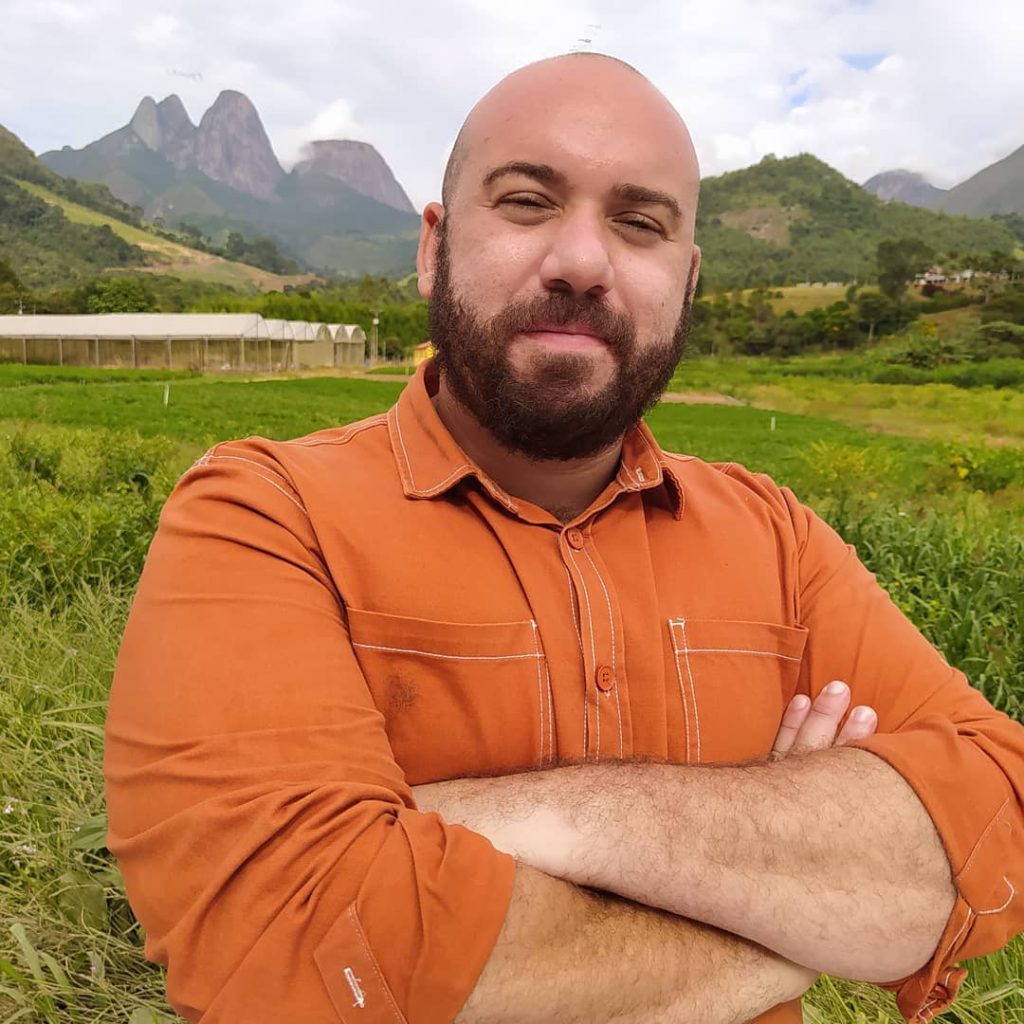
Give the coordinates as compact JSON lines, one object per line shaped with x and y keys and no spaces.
{"x":177,"y":132}
{"x":231,"y":146}
{"x":359,"y":166}
{"x":166,"y":128}
{"x":905,"y":187}
{"x":145,"y":124}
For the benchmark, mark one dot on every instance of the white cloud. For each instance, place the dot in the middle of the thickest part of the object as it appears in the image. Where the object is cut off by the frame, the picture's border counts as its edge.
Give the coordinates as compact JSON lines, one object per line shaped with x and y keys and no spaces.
{"x":751,"y":76}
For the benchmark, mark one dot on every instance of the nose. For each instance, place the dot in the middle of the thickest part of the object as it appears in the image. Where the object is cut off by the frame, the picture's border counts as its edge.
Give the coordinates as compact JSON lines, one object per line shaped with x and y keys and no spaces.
{"x":578,"y":260}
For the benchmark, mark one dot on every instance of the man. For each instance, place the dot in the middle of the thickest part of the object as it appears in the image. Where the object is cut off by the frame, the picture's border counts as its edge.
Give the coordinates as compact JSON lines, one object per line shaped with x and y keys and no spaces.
{"x":611,"y":634}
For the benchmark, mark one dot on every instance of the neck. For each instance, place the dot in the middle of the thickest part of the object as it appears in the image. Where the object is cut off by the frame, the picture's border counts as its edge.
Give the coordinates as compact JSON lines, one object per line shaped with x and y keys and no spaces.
{"x":565,"y":488}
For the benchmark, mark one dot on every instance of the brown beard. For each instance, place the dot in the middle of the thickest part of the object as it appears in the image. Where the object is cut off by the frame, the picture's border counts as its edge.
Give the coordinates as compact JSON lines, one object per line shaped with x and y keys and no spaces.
{"x":547,"y":412}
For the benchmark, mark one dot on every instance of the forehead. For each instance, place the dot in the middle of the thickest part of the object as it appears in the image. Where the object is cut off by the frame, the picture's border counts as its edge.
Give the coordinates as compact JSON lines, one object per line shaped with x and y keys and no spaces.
{"x":593,"y":124}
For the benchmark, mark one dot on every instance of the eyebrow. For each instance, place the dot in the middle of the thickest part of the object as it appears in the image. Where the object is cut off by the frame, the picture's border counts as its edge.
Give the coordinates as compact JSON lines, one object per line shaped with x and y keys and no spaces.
{"x":544,"y":173}
{"x":547,"y":175}
{"x":651,"y":196}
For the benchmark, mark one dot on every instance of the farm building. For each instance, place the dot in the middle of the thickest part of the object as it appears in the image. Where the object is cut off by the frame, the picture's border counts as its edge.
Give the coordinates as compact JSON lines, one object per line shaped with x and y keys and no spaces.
{"x":198,"y":341}
{"x":349,"y":344}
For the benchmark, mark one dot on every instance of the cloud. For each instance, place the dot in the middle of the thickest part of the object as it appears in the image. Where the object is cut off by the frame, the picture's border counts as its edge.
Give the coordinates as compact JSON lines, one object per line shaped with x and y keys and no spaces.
{"x":864,"y":85}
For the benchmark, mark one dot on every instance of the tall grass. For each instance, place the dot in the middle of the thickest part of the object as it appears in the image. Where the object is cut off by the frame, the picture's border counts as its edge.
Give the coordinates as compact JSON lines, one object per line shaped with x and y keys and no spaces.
{"x":79,"y":505}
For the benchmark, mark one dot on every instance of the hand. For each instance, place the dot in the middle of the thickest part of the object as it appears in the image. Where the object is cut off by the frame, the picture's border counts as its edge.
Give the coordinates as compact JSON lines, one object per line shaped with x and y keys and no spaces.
{"x":806,"y":726}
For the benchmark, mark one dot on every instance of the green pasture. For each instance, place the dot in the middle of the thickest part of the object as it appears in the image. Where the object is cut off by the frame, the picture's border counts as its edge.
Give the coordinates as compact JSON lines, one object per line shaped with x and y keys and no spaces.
{"x":88,"y":456}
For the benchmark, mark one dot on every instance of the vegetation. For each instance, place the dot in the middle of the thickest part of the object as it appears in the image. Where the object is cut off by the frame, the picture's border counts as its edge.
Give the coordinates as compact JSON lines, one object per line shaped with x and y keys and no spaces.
{"x":45,"y":247}
{"x":786,"y":221}
{"x":88,"y":456}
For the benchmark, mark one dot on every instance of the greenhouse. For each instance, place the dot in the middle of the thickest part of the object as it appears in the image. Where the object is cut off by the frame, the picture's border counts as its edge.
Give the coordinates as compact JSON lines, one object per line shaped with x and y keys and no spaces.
{"x":194,"y":341}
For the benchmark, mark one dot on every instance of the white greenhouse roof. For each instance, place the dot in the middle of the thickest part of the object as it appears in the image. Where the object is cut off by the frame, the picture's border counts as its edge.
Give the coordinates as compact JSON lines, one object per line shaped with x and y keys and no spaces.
{"x":347,"y":332}
{"x":141,"y":325}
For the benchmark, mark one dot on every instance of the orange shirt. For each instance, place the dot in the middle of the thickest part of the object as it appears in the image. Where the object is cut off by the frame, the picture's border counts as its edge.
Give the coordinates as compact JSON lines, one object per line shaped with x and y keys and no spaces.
{"x":323,"y":623}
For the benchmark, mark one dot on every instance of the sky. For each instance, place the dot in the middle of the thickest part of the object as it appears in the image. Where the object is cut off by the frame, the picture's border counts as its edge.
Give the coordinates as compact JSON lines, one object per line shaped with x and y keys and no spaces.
{"x":866,"y":85}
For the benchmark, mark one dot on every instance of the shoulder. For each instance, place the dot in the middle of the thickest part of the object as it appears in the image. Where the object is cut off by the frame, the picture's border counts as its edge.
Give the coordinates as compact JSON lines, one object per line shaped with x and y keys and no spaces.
{"x":300,"y":467}
{"x":728,"y":480}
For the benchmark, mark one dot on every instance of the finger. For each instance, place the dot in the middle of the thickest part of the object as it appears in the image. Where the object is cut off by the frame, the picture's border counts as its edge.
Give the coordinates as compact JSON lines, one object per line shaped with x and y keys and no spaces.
{"x":795,"y":716}
{"x":862,"y":722}
{"x":819,"y":731}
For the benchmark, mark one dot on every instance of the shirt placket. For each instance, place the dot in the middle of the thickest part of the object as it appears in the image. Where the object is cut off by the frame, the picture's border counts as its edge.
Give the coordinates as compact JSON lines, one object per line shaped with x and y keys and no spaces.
{"x":605,"y":733}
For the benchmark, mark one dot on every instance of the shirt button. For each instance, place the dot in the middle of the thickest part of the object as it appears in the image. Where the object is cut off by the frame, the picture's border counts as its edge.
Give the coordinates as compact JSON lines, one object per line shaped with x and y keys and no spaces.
{"x":605,"y":679}
{"x":575,"y":539}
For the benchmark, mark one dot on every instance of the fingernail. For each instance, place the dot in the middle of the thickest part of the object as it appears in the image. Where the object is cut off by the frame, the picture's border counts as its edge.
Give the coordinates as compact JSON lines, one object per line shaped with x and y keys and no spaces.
{"x":800,"y":702}
{"x":862,"y":714}
{"x":835,"y":687}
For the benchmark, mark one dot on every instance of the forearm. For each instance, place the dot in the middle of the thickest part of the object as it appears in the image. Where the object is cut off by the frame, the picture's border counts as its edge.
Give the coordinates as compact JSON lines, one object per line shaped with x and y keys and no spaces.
{"x":573,"y":956}
{"x":828,"y":859}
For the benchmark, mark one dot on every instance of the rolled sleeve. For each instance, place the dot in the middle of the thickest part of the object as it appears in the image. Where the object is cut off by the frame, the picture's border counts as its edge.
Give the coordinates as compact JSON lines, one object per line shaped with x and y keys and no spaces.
{"x":269,"y":843}
{"x":963,"y":758}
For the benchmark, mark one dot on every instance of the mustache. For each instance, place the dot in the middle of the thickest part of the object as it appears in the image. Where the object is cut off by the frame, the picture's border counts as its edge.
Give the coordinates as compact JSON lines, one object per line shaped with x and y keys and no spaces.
{"x":562,"y":309}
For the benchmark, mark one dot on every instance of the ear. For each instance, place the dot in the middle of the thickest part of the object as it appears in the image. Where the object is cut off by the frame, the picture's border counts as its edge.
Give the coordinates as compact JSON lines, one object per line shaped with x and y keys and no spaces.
{"x":426,"y":254}
{"x":694,"y":273}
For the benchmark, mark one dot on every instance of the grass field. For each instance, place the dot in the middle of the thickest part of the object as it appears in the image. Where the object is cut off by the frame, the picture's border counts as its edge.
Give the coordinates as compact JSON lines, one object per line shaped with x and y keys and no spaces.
{"x":87,"y":457}
{"x":169,"y":257}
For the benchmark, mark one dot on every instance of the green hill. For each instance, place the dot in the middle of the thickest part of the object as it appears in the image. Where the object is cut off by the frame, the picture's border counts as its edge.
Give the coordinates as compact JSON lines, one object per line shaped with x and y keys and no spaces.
{"x":785,"y":221}
{"x":42,"y":246}
{"x":56,"y":232}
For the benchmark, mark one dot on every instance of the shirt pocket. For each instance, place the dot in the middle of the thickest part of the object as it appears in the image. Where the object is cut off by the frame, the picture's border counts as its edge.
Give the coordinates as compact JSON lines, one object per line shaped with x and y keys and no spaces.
{"x":458,"y":699}
{"x":734,"y":680}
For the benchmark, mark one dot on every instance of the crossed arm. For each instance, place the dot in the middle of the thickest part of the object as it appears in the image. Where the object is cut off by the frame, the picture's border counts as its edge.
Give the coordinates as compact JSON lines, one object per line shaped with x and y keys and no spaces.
{"x":824,"y":859}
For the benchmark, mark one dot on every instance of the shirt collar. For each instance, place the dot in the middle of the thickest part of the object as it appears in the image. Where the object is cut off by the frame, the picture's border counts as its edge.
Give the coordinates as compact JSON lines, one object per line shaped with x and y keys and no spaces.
{"x":430,"y":463}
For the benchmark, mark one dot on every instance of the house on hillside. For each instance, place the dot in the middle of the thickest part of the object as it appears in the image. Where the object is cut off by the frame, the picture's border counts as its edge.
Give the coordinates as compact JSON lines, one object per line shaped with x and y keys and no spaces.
{"x":933,"y":275}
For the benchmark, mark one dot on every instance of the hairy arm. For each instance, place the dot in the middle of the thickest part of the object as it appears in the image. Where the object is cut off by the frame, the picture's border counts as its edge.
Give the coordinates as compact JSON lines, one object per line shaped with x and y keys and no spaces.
{"x":827,"y":857}
{"x":572,"y":956}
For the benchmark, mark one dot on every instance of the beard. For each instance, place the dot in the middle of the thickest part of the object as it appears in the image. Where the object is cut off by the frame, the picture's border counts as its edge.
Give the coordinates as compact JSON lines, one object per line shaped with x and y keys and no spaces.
{"x":547,"y":410}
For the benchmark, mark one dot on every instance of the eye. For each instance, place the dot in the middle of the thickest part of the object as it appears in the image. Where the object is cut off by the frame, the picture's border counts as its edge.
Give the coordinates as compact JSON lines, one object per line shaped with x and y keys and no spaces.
{"x":526,"y":200}
{"x":641,"y":224}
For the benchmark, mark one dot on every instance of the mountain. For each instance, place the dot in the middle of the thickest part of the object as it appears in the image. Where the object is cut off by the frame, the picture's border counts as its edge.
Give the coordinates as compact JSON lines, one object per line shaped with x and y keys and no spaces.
{"x":340,"y":209}
{"x":998,"y":189}
{"x":231,"y":146}
{"x":797,"y":219}
{"x":357,"y":164}
{"x":905,"y":187}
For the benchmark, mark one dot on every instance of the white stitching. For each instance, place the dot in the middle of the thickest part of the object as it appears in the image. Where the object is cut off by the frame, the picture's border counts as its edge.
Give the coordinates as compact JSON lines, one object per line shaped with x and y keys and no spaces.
{"x":437,"y":488}
{"x":984,"y":835}
{"x":373,"y":963}
{"x":540,"y":693}
{"x":353,"y":430}
{"x":551,"y":713}
{"x":1009,"y":899}
{"x":682,"y":688}
{"x":693,"y":690}
{"x":611,"y":626}
{"x":741,"y":650}
{"x":401,"y":442}
{"x":449,"y":657}
{"x":572,"y":602}
{"x":593,"y":654}
{"x":238,"y":458}
{"x":963,"y":928}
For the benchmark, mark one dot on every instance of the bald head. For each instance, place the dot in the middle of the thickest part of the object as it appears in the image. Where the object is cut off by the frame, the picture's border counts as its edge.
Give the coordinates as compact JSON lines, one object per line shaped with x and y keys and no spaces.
{"x":592,"y":83}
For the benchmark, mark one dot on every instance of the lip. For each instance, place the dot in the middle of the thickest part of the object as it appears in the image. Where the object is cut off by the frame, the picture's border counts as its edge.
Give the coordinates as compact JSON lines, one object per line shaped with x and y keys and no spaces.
{"x":574,"y":337}
{"x":577,"y":328}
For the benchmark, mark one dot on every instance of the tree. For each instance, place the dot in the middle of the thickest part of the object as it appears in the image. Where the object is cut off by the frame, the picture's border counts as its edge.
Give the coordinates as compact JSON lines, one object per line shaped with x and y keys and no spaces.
{"x":878,"y":314}
{"x":898,"y":261}
{"x":119,"y":295}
